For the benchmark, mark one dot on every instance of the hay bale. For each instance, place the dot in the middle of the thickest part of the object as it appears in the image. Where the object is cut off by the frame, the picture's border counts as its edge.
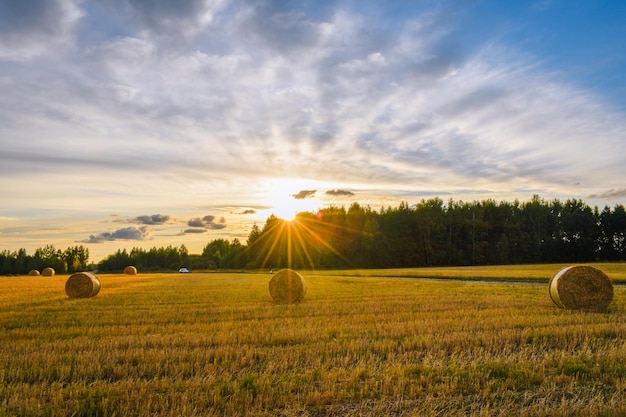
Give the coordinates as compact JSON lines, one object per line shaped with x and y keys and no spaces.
{"x":130,"y":270}
{"x":33,"y":273}
{"x":47,"y":272}
{"x":82,"y":285}
{"x":287,"y":287}
{"x":581,"y":288}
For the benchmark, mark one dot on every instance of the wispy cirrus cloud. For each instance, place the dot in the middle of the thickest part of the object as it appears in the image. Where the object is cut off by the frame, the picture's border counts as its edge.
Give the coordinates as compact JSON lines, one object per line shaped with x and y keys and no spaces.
{"x":611,"y":194}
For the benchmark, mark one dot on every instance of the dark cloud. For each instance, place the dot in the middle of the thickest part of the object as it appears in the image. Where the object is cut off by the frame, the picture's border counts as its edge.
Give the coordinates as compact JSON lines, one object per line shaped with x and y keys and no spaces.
{"x":194,"y":231}
{"x":197,"y":222}
{"x":127,"y":233}
{"x":153,"y":219}
{"x":301,"y":195}
{"x":339,"y":192}
{"x":27,"y":28}
{"x":610,"y":194}
{"x":281,"y":28}
{"x":249,"y":211}
{"x":207,"y":222}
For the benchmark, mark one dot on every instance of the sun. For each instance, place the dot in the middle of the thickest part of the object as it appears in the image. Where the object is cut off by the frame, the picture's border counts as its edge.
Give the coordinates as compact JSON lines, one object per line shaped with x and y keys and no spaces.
{"x":285,"y":202}
{"x":287,"y":207}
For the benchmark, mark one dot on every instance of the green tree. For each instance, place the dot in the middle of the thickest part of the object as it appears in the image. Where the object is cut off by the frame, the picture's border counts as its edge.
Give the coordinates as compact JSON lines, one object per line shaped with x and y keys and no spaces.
{"x":76,"y":258}
{"x":51,"y":257}
{"x":611,"y":236}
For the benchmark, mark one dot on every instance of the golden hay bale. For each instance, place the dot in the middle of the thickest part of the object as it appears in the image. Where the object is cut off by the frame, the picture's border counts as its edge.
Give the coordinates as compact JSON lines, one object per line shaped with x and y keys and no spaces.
{"x":581,"y":288}
{"x":33,"y":273}
{"x":287,"y":287}
{"x":47,"y":272}
{"x":130,"y":270}
{"x":82,"y":285}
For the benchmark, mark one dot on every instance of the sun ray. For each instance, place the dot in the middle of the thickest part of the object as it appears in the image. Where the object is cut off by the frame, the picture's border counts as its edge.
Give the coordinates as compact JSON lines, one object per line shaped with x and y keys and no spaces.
{"x":323,"y":241}
{"x":302,"y":242}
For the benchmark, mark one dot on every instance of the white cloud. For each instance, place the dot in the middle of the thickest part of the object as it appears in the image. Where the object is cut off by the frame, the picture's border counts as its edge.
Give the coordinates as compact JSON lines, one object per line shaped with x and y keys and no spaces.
{"x":122,"y":59}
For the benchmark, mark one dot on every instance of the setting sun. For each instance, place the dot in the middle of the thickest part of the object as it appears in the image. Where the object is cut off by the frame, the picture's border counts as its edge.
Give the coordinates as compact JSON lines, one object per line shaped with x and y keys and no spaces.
{"x":286,"y":213}
{"x":287,"y":207}
{"x":288,"y":198}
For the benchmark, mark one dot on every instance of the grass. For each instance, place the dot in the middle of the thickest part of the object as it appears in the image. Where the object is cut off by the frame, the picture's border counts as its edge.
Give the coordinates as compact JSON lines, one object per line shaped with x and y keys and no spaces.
{"x":215,"y":344}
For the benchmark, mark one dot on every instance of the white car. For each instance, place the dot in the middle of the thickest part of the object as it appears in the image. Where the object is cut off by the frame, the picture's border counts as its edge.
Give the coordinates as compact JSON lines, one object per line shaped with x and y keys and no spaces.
{"x":183,"y":270}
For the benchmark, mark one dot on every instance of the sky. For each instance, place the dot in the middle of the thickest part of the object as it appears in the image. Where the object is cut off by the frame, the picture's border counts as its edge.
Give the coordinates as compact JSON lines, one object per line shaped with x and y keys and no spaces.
{"x":149,"y":123}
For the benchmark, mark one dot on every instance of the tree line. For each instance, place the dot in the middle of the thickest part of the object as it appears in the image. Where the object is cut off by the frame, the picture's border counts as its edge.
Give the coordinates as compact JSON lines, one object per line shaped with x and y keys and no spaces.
{"x":19,"y":262}
{"x":430,"y":233}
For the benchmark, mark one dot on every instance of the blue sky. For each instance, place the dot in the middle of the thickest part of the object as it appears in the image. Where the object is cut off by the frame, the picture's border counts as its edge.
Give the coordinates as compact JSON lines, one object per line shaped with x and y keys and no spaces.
{"x":130,"y":123}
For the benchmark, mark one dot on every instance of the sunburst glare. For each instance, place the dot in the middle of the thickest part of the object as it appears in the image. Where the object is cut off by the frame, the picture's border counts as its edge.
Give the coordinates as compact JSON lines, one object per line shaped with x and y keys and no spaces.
{"x":286,"y":198}
{"x":302,"y":242}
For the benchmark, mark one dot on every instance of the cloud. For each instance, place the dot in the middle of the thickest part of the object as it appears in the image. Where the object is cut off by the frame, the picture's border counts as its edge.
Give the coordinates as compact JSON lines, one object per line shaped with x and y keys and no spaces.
{"x":281,"y":28}
{"x":35,"y":27}
{"x":339,"y":192}
{"x":217,"y":226}
{"x":152,"y":220}
{"x":121,"y":59}
{"x":127,"y":233}
{"x":408,"y":103}
{"x":194,"y":231}
{"x":208,"y":222}
{"x":160,"y":99}
{"x":197,"y":222}
{"x":248,"y":211}
{"x":301,"y":195}
{"x":167,"y":19}
{"x":613,"y":193}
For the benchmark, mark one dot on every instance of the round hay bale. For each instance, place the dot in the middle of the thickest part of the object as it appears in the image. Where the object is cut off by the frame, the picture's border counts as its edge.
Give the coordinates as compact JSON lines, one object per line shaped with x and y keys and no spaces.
{"x":130,"y":270}
{"x":47,"y":272}
{"x":287,"y":287}
{"x":581,"y":288}
{"x":82,"y":285}
{"x":33,"y":273}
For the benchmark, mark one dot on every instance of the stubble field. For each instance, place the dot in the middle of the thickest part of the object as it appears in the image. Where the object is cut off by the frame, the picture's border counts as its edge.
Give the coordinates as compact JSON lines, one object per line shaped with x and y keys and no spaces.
{"x":362,"y":343}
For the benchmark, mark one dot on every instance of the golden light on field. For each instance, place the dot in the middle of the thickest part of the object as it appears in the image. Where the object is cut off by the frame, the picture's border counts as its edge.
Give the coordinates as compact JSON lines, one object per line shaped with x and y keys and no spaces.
{"x":356,"y":346}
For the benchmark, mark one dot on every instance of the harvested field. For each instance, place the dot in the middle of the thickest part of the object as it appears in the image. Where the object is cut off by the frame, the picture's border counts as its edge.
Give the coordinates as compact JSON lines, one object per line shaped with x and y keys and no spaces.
{"x":216,"y":344}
